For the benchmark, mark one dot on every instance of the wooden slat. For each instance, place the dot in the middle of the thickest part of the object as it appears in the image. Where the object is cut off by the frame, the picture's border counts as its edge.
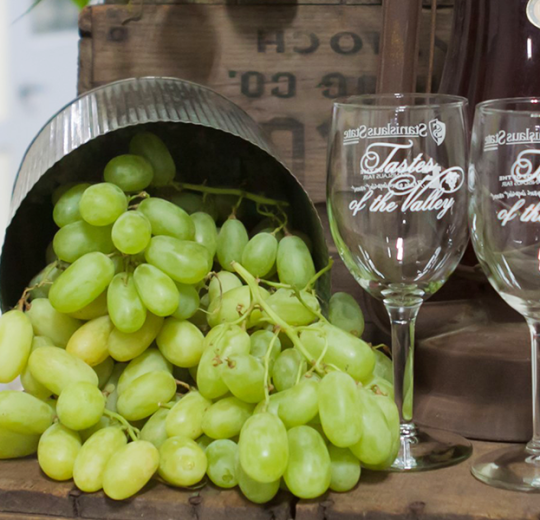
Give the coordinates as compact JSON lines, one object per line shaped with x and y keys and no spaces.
{"x":426,"y":3}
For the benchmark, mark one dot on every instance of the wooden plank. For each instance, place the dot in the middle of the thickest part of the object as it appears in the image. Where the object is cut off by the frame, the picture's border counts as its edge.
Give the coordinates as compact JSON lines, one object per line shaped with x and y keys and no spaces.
{"x":444,"y":494}
{"x":426,"y":3}
{"x":284,"y":65}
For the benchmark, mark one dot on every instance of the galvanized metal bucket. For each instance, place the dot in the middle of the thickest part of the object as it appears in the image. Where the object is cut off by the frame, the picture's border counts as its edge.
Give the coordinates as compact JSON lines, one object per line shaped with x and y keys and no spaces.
{"x":211,"y":139}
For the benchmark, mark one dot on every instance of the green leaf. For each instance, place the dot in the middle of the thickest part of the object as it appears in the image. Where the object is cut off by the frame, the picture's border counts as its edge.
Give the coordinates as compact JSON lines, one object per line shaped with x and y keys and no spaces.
{"x":81,"y":3}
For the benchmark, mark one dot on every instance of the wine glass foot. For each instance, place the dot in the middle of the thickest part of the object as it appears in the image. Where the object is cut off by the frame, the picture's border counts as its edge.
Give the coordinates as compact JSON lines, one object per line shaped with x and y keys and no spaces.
{"x":516,"y":468}
{"x":424,"y":449}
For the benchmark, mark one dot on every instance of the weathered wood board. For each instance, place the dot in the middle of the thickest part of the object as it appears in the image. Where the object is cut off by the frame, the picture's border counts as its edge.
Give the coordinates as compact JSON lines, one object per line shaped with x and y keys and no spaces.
{"x":284,"y":64}
{"x":445,"y":494}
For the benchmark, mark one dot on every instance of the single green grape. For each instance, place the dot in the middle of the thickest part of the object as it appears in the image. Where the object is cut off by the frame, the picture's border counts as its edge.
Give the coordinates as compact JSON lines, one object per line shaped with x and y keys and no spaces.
{"x":129,"y":469}
{"x":124,"y":346}
{"x":232,"y":240}
{"x":225,"y":418}
{"x":221,"y":455}
{"x":294,"y":262}
{"x":285,"y":371}
{"x":205,"y":232}
{"x":345,"y":313}
{"x":260,"y":343}
{"x":80,"y":238}
{"x":345,"y":467}
{"x":142,"y":397}
{"x":56,"y":369}
{"x":188,"y":303}
{"x":16,"y":335}
{"x":60,"y":190}
{"x":101,"y":204}
{"x":184,"y":261}
{"x":189,"y":201}
{"x":131,"y":233}
{"x":104,"y":371}
{"x":156,"y":290}
{"x":80,"y":406}
{"x":111,"y":388}
{"x":259,"y":255}
{"x":186,"y":416}
{"x":16,"y":445}
{"x":90,"y":342}
{"x":58,"y":449}
{"x":126,"y":309}
{"x":167,"y":219}
{"x":182,"y":462}
{"x":41,"y":283}
{"x":103,"y":423}
{"x":82,"y":282}
{"x":244,"y":376}
{"x":383,"y":366}
{"x":221,"y":283}
{"x":66,"y":210}
{"x":154,"y":430}
{"x":30,"y":384}
{"x":230,"y":307}
{"x":24,"y":413}
{"x":181,"y":342}
{"x":95,"y":309}
{"x":285,"y":303}
{"x":149,"y":361}
{"x":93,"y":457}
{"x":301,"y":404}
{"x":309,"y":473}
{"x":204,"y":441}
{"x":264,"y":447}
{"x":155,"y":151}
{"x":131,"y":173}
{"x":257,"y":492}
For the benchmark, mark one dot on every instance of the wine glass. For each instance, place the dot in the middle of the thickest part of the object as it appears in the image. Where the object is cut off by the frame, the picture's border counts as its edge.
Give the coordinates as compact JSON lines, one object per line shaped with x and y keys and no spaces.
{"x":397,"y":203}
{"x":504,"y":179}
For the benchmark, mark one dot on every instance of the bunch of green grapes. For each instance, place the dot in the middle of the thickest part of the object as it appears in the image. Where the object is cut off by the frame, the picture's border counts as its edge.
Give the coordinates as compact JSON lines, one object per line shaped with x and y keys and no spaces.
{"x":157,"y":344}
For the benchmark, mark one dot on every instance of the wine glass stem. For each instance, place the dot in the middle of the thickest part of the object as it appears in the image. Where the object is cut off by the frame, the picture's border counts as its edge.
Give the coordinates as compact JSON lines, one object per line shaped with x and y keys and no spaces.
{"x":403,"y":319}
{"x":534,"y":444}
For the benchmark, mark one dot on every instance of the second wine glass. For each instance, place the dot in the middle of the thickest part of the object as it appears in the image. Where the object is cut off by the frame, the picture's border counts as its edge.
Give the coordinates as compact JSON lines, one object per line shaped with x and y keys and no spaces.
{"x":397,"y":203}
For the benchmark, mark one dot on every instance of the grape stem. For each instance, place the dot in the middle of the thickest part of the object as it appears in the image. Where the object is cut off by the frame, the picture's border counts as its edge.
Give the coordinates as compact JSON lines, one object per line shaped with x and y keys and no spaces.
{"x":321,"y":272}
{"x":184,"y":385}
{"x":267,"y":368}
{"x":131,"y":431}
{"x":229,"y":191}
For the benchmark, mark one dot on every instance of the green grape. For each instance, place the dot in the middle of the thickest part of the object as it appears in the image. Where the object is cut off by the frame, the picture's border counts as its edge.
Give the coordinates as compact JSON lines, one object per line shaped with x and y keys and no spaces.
{"x":28,"y":381}
{"x":131,"y":233}
{"x":205,"y":232}
{"x":383,"y":366}
{"x":378,"y":384}
{"x":66,"y":210}
{"x":57,"y":451}
{"x":90,"y":342}
{"x":376,"y":444}
{"x":273,"y":404}
{"x":285,"y":371}
{"x":221,"y":456}
{"x":220,"y":343}
{"x":232,"y":305}
{"x":189,"y":201}
{"x":154,"y":430}
{"x":285,"y":303}
{"x":167,"y":219}
{"x":345,"y":351}
{"x":16,"y":335}
{"x":338,"y":409}
{"x":93,"y":457}
{"x":182,"y":462}
{"x":264,"y":448}
{"x":307,"y":240}
{"x":142,"y":397}
{"x":244,"y":376}
{"x":309,"y":472}
{"x":294,"y":263}
{"x":345,"y":469}
{"x":111,"y":388}
{"x":156,"y":290}
{"x":130,"y":469}
{"x":260,"y":342}
{"x":82,"y":282}
{"x":126,"y":309}
{"x":184,"y":261}
{"x":24,"y":413}
{"x":131,"y":173}
{"x":186,"y":416}
{"x":301,"y":405}
{"x":56,"y":369}
{"x":104,"y":371}
{"x":48,"y":322}
{"x":154,"y":150}
{"x":101,"y":204}
{"x":225,"y":418}
{"x":149,"y":361}
{"x":80,"y":406}
{"x":255,"y":491}
{"x":127,"y":346}
{"x":181,"y":342}
{"x":103,"y":423}
{"x":259,"y":255}
{"x":60,"y":190}
{"x":16,"y":445}
{"x":232,"y":240}
{"x":44,"y":279}
{"x":80,"y":238}
{"x":188,"y":303}
{"x":204,"y":441}
{"x":345,"y":313}
{"x":95,"y":309}
{"x":221,"y":283}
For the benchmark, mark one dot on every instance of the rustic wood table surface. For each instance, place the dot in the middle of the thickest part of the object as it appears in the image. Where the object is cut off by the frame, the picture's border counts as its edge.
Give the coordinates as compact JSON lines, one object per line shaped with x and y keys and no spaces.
{"x":446,"y":494}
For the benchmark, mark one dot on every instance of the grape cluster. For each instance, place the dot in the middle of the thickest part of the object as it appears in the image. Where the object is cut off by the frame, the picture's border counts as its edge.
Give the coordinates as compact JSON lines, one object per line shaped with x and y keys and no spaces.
{"x":156,"y":344}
